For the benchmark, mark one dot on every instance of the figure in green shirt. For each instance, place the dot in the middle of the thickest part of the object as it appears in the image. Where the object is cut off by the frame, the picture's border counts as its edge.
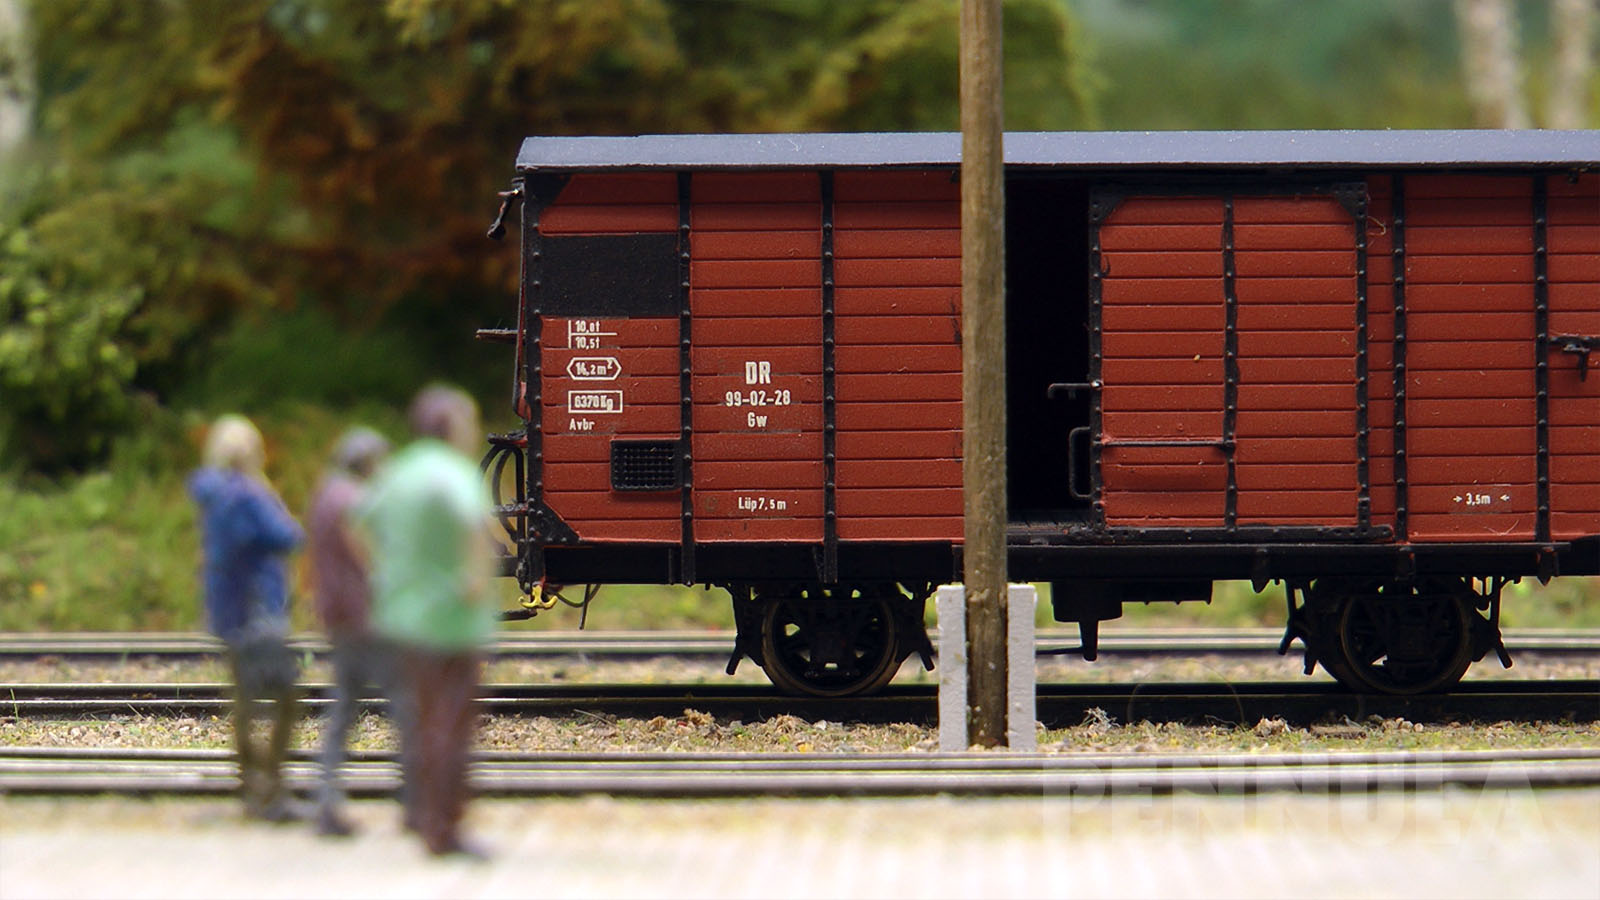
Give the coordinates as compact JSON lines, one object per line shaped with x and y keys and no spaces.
{"x":428,"y":514}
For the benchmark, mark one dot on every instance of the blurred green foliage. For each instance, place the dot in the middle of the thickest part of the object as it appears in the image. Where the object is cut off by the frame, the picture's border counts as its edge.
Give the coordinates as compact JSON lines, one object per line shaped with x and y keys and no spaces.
{"x":277,"y":206}
{"x":1248,"y":64}
{"x":260,"y":363}
{"x":112,"y":272}
{"x":1267,"y":64}
{"x":59,"y":363}
{"x":205,"y":164}
{"x":118,"y":549}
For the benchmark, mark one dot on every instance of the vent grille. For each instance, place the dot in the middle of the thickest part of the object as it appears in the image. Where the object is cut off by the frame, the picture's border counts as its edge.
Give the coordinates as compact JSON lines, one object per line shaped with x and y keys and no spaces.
{"x":644,"y":465}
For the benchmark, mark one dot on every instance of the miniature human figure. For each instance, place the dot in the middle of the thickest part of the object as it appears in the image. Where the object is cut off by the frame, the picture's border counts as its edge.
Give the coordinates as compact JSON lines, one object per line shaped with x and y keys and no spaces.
{"x":343,"y":597}
{"x":245,"y":534}
{"x":429,"y":514}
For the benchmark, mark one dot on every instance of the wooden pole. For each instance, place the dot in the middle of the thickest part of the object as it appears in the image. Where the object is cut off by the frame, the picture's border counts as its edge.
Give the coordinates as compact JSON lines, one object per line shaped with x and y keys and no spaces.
{"x":983,"y":375}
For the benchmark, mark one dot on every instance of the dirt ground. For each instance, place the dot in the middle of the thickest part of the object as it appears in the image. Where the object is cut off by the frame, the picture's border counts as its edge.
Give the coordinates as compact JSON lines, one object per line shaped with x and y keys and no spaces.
{"x":1460,"y":844}
{"x":697,"y":731}
{"x":1456,"y":843}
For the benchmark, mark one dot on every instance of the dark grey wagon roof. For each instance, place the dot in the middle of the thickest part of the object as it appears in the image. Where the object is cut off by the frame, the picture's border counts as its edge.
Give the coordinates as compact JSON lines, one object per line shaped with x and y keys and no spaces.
{"x":1074,"y":149}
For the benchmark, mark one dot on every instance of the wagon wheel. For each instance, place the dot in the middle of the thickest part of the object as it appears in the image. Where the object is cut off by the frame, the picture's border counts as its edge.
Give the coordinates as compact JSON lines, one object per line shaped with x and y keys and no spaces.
{"x":829,"y":646}
{"x":1406,"y":641}
{"x":1326,"y":601}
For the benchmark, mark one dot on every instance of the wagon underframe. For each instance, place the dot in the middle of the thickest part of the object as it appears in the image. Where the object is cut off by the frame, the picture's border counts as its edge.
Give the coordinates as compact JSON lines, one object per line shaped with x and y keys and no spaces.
{"x":1036,"y":558}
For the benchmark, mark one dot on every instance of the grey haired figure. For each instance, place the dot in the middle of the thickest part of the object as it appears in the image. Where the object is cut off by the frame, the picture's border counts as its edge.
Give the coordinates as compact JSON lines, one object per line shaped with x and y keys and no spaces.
{"x":363,"y":664}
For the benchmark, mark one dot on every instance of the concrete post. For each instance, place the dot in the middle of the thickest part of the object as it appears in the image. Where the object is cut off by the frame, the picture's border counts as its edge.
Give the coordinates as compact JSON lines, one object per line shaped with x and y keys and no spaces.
{"x":1021,"y":677}
{"x":1022,"y":708}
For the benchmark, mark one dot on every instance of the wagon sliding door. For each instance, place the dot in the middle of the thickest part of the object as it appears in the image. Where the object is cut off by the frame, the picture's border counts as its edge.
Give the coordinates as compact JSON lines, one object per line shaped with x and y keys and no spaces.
{"x":1573,"y":328}
{"x":1229,"y":358}
{"x":1162,"y":457}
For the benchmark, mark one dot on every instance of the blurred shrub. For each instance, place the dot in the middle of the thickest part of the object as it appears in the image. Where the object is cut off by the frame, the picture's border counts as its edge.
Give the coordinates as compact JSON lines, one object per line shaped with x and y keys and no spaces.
{"x":111,"y":550}
{"x":64,"y":367}
{"x":1569,"y":602}
{"x":304,"y":355}
{"x":106,"y":285}
{"x":118,"y":548}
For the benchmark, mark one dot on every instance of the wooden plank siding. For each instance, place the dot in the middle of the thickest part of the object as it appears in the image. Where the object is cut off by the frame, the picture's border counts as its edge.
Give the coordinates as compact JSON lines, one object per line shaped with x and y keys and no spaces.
{"x":755,"y":295}
{"x":1574,"y":271}
{"x":1471,"y":436}
{"x":897,"y":300}
{"x":641,"y":402}
{"x":1296,"y":459}
{"x":613,"y":204}
{"x":1162,"y":342}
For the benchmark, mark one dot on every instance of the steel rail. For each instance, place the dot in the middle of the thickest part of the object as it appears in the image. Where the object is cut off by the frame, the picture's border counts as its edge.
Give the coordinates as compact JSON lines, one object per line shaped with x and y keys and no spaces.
{"x":843,"y":759}
{"x":1058,"y":705}
{"x":24,"y":692}
{"x":719,"y":644}
{"x":1078,"y":775}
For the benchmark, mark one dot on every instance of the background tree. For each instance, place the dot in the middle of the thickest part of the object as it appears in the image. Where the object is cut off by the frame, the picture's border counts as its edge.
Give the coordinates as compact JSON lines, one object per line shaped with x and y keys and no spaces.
{"x":277,"y":205}
{"x":253,"y":177}
{"x":335,"y":161}
{"x":1493,"y":62}
{"x":1573,"y":72}
{"x":1174,"y":64}
{"x":16,"y":76}
{"x":1489,"y":58}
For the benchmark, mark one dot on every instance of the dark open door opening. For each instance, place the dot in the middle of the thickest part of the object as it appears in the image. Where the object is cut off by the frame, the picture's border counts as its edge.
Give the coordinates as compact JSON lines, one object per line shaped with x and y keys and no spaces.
{"x":1047,"y":342}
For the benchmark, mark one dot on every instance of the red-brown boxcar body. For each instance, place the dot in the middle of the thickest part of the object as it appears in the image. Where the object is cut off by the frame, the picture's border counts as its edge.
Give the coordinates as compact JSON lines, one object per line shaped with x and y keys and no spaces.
{"x":1316,"y":357}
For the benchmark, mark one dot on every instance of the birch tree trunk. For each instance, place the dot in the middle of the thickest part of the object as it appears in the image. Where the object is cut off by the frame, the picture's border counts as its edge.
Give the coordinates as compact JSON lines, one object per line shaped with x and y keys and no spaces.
{"x":1573,"y":24}
{"x":1489,"y":58}
{"x":16,"y":76}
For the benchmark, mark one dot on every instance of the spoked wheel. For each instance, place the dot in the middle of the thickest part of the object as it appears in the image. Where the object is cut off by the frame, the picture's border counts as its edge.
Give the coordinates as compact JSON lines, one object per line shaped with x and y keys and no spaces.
{"x":829,"y":646}
{"x":1316,"y":623}
{"x":1405,"y":640}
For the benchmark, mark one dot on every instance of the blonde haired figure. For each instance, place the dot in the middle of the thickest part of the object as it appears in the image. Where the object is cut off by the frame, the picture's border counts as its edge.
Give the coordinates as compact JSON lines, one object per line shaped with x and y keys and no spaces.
{"x":245,"y":534}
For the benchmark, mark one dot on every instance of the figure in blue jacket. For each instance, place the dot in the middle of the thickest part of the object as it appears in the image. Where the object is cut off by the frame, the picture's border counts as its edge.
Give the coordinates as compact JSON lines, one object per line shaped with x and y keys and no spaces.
{"x":246,"y":533}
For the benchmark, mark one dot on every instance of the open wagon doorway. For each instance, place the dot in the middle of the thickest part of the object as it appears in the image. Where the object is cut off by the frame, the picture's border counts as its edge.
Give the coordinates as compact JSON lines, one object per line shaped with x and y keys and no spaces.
{"x":1047,"y":342}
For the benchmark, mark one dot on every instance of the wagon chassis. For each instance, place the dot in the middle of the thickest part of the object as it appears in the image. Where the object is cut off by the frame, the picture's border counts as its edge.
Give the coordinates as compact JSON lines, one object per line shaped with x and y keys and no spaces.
{"x":773,"y":588}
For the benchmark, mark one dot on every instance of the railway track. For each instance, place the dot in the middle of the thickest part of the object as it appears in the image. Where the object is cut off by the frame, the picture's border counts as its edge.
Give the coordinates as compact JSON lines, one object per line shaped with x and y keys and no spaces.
{"x":1058,"y":705}
{"x":57,"y":771}
{"x":718,"y":645}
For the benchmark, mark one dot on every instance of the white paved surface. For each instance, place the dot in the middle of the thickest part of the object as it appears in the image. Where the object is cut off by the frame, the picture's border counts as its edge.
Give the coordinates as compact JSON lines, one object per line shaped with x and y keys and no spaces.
{"x":1454,"y":844}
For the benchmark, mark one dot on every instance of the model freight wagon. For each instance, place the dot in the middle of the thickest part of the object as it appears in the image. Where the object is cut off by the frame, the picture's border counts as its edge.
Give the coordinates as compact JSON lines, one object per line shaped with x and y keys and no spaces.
{"x":1355,"y":362}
